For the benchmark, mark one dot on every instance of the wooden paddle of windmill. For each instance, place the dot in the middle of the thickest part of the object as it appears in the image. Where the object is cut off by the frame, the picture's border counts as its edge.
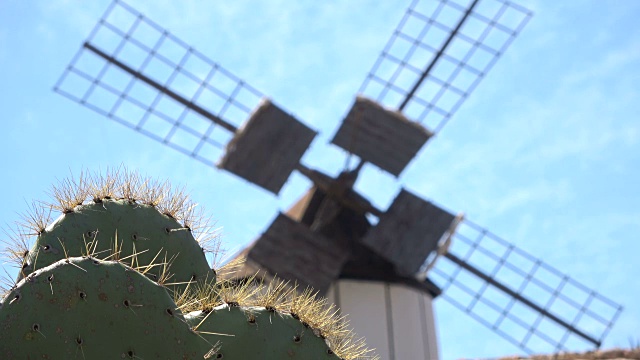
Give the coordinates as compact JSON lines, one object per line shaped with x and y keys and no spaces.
{"x":384,"y":275}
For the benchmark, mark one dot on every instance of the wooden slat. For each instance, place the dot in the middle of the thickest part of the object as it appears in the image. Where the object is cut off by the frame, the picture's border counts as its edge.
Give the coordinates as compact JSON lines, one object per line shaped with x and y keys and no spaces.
{"x":408,"y":231}
{"x":267,"y":148}
{"x":382,"y":137}
{"x":291,"y":251}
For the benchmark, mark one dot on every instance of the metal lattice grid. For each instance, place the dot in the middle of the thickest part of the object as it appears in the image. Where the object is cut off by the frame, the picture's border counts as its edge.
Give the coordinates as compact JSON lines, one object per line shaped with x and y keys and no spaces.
{"x":545,"y":312}
{"x":439,"y":53}
{"x":137,"y":73}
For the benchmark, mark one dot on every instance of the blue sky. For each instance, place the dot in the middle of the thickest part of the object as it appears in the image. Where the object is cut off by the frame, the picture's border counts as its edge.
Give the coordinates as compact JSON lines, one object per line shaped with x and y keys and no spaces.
{"x":544,"y":153}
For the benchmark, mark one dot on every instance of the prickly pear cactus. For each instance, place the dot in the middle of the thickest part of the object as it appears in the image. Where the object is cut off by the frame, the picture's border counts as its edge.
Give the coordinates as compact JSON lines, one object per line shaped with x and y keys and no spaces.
{"x":276,"y":320}
{"x":84,"y":308}
{"x":272,"y":335}
{"x":93,"y":285}
{"x":126,"y":217}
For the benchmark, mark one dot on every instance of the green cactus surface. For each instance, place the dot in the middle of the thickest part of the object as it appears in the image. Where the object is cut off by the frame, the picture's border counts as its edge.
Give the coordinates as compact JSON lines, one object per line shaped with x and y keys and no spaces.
{"x":122,"y":228}
{"x":256,"y":333}
{"x":277,"y":320}
{"x":84,"y":308}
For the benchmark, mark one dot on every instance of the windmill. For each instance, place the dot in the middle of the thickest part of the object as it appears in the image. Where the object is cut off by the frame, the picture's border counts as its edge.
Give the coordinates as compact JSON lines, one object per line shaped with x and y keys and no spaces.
{"x":135,"y":72}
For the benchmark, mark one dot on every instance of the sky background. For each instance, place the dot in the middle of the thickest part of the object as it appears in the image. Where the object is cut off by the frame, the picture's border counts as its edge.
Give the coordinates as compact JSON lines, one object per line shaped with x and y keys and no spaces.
{"x":544,"y":153}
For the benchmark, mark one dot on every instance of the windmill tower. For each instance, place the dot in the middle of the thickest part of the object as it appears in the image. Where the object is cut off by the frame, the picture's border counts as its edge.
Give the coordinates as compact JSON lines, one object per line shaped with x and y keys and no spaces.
{"x":384,"y":271}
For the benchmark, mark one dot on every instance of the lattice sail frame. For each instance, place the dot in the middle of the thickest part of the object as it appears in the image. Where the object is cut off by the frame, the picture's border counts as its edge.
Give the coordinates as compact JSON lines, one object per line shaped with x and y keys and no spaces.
{"x":561,"y":297}
{"x":218,"y":100}
{"x":438,"y":54}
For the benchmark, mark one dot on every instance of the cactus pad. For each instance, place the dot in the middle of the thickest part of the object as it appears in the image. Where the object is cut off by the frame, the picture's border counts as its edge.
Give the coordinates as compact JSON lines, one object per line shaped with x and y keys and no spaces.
{"x":84,"y":308}
{"x":122,"y":227}
{"x":260,"y":334}
{"x":120,"y":217}
{"x":275,"y":319}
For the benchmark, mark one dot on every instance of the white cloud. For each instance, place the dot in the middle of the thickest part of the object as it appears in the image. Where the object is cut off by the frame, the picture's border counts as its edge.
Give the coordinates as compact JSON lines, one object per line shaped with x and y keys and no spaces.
{"x":81,"y":16}
{"x":613,"y":63}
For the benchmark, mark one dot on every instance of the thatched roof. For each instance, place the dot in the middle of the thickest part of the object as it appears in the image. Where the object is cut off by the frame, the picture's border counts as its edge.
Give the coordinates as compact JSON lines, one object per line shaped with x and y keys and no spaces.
{"x":612,"y":354}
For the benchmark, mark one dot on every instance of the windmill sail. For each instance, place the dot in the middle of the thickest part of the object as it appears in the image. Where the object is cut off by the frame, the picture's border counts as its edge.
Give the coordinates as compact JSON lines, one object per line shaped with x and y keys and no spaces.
{"x":137,"y":73}
{"x":522,"y":298}
{"x":434,"y":59}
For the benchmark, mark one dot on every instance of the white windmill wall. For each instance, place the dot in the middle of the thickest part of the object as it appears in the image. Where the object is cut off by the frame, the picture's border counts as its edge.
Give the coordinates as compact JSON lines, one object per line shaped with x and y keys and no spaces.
{"x":395,"y":319}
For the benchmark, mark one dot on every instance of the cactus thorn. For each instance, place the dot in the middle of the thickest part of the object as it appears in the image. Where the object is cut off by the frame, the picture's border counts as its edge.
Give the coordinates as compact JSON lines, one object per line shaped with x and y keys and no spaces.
{"x":36,"y":218}
{"x":133,"y":256}
{"x":80,"y":341}
{"x":50,"y":280}
{"x":36,"y":327}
